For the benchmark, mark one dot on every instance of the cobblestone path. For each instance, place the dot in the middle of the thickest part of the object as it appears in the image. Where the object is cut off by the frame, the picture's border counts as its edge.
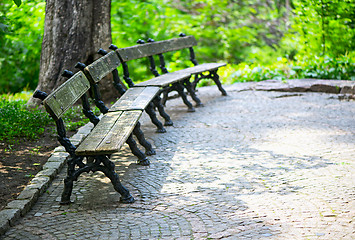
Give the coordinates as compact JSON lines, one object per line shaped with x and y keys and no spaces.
{"x":252,"y":165}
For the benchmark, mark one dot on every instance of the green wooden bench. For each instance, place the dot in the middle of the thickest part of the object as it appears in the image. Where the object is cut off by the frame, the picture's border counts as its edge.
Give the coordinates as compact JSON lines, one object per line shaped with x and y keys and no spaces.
{"x":131,"y":99}
{"x":173,"y":81}
{"x":182,"y":76}
{"x":107,"y":137}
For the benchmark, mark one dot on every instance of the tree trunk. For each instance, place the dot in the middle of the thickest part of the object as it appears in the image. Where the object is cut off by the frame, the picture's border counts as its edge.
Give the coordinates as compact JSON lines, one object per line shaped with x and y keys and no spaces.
{"x":73,"y":32}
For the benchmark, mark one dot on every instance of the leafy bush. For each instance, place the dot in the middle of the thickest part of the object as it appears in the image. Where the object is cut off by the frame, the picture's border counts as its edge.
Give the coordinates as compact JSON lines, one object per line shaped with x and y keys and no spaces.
{"x":324,"y":27}
{"x":341,"y":68}
{"x":17,"y":121}
{"x":21,"y":30}
{"x":251,"y":33}
{"x":280,"y":70}
{"x":74,"y":118}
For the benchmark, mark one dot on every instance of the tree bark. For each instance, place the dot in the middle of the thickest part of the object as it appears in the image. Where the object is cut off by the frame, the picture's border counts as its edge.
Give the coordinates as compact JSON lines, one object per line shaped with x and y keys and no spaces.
{"x":74,"y":31}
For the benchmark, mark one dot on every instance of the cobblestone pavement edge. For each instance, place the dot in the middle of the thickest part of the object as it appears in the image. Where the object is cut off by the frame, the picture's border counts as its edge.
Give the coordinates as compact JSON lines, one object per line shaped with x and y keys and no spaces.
{"x":265,"y":165}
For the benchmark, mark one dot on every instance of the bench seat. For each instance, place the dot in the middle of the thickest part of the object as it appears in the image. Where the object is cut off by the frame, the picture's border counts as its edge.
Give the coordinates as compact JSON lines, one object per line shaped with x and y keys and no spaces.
{"x":165,"y":80}
{"x":110,"y":133}
{"x":201,"y":68}
{"x":135,"y":99}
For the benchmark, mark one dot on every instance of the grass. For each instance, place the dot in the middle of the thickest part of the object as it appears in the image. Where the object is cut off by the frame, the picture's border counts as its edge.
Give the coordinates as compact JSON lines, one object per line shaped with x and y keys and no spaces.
{"x":19,"y":122}
{"x":16,"y":121}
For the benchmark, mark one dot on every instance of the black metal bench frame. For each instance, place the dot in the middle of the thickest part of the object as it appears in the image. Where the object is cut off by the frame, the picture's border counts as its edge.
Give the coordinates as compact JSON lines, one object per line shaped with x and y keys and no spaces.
{"x":183,"y":76}
{"x":92,"y":154}
{"x":109,"y":64}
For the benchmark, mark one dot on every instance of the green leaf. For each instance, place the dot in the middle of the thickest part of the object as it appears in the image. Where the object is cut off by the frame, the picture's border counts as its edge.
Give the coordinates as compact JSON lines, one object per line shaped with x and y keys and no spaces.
{"x":18,"y":2}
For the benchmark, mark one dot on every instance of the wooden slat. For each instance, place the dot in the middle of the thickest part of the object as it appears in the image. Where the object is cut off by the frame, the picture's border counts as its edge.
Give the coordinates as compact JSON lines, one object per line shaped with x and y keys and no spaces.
{"x":120,"y":132}
{"x":110,"y":133}
{"x":59,"y":101}
{"x":150,"y":49}
{"x":103,"y":66}
{"x":164,"y":80}
{"x":135,"y":99}
{"x":201,"y":68}
{"x":90,"y":143}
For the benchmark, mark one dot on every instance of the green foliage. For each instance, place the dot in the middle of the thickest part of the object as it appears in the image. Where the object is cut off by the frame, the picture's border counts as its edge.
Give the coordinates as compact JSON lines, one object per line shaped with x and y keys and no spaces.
{"x":313,"y":35}
{"x":341,"y":68}
{"x":133,"y":20}
{"x":74,"y":117}
{"x":18,"y":121}
{"x":17,"y":2}
{"x":280,"y":70}
{"x":234,"y":30}
{"x":324,"y":27}
{"x":21,"y":31}
{"x":253,"y":33}
{"x":24,"y":95}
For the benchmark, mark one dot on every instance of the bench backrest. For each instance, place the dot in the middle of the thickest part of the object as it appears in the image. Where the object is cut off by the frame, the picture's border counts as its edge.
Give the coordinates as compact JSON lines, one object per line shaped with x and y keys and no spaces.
{"x":154,"y":48}
{"x":60,"y":100}
{"x":102,"y":67}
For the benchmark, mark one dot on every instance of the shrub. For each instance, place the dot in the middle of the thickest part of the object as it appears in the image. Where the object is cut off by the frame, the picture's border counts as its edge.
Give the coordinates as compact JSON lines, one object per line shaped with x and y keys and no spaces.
{"x":18,"y":121}
{"x":341,"y":68}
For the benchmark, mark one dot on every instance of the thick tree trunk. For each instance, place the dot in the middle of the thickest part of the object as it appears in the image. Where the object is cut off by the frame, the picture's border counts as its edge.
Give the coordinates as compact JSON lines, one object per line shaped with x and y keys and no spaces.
{"x":74,"y":31}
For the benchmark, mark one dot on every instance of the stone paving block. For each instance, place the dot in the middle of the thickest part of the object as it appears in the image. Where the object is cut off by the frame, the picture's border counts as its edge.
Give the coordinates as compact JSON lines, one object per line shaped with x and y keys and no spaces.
{"x":29,"y":193}
{"x":50,"y":172}
{"x":265,"y":165}
{"x":86,"y":129}
{"x":22,"y":205}
{"x":54,"y":166}
{"x":37,"y":186}
{"x":59,"y":149}
{"x":10,"y":215}
{"x":58,"y":156}
{"x":4,"y":223}
{"x":77,"y":138}
{"x":42,"y":181}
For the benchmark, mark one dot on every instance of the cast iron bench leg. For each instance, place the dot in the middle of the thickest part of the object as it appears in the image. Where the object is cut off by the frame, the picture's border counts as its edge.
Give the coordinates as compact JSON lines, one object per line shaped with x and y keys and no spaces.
{"x":68,"y":183}
{"x":197,"y":78}
{"x":159,"y":105}
{"x":142,"y":159}
{"x":150,"y":110}
{"x":109,"y":170}
{"x":215,"y":78}
{"x":180,"y":89}
{"x":141,"y":139}
{"x":190,"y":89}
{"x":165,"y":93}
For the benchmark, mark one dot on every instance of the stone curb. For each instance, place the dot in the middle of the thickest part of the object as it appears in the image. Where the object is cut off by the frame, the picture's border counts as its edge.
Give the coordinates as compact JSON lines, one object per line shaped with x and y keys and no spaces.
{"x":38,"y":185}
{"x":343,"y":87}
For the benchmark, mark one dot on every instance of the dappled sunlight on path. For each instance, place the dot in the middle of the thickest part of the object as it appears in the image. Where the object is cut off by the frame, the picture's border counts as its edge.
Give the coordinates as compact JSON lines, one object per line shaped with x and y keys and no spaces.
{"x":251,"y":165}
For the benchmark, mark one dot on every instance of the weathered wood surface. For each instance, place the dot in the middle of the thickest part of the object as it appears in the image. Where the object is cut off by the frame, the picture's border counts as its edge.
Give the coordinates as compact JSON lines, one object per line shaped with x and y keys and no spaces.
{"x":165,"y":80}
{"x":110,"y":133}
{"x":135,"y":99}
{"x":103,"y":66}
{"x":60,"y":100}
{"x":201,"y":68}
{"x":150,"y":49}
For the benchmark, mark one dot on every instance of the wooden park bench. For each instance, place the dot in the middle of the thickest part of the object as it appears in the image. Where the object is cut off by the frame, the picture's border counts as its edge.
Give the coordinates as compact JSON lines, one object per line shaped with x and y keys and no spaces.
{"x":175,"y":80}
{"x":108,"y":135}
{"x":144,"y":99}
